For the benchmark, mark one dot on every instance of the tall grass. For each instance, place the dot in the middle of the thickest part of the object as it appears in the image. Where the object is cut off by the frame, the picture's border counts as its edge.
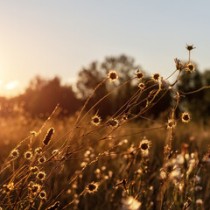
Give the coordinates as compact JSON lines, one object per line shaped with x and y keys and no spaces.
{"x":125,"y":161}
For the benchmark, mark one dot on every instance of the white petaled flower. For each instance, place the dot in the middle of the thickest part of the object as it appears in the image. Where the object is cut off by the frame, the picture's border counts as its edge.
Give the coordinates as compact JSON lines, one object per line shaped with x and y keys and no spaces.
{"x":130,"y":203}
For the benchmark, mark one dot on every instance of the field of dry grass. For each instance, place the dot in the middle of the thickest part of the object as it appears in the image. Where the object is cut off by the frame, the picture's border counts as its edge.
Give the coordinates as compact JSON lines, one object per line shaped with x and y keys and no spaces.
{"x":126,"y":161}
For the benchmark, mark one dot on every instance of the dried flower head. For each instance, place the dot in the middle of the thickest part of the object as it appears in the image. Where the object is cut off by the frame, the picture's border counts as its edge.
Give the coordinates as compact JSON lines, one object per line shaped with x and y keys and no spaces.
{"x":185,"y":117}
{"x":43,"y":195}
{"x":41,"y":175}
{"x":144,"y":146}
{"x":34,"y":187}
{"x":48,"y":136}
{"x":139,"y":74}
{"x":156,"y":77}
{"x":141,"y":86}
{"x":113,"y":122}
{"x":96,"y":120}
{"x":38,"y":151}
{"x":179,"y":65}
{"x":190,"y":47}
{"x":14,"y":153}
{"x":34,"y":169}
{"x":112,"y":75}
{"x":42,"y":159}
{"x":190,"y":67}
{"x":28,"y":155}
{"x":171,"y":124}
{"x":92,"y":187}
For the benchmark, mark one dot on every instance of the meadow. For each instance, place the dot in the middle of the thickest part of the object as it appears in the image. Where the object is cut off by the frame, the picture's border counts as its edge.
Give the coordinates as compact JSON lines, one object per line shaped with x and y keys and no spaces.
{"x":127,"y":161}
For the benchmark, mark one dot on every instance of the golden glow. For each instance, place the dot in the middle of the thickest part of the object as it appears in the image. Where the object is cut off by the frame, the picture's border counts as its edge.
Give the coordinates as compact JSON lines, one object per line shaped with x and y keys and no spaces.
{"x":11,"y":85}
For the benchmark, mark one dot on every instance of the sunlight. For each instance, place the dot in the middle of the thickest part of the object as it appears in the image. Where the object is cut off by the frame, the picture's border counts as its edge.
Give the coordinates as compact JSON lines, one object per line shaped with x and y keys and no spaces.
{"x":11,"y":85}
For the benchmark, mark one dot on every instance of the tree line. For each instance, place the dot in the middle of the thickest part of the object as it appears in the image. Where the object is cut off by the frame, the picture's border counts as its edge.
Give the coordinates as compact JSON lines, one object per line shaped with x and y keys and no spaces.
{"x":42,"y":95}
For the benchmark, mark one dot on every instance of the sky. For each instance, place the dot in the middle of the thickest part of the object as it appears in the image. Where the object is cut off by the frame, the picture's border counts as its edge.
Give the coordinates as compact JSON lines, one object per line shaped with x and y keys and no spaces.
{"x":58,"y":37}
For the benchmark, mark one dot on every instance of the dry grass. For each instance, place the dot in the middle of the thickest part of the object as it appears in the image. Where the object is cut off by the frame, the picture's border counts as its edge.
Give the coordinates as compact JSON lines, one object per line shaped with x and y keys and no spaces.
{"x":126,"y":161}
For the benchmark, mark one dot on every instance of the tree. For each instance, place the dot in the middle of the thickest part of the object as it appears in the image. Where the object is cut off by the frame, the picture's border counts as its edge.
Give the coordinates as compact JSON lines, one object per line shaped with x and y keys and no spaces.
{"x":125,"y":66}
{"x":42,"y":96}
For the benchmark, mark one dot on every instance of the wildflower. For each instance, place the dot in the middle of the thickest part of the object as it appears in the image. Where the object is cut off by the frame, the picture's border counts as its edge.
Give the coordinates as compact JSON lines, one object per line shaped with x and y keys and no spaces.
{"x":41,"y":175}
{"x":130,"y":203}
{"x":48,"y":136}
{"x":112,"y":75}
{"x":171,"y":124}
{"x":141,"y":86}
{"x":144,"y":147}
{"x":179,"y":65}
{"x":139,"y":74}
{"x":38,"y":151}
{"x":156,"y":77}
{"x":28,"y":155}
{"x":14,"y":154}
{"x":190,"y":67}
{"x":34,"y":169}
{"x":96,"y":120}
{"x":92,"y":187}
{"x":34,"y":187}
{"x":43,"y":195}
{"x":42,"y":159}
{"x":185,"y":117}
{"x":113,"y":122}
{"x":190,"y":47}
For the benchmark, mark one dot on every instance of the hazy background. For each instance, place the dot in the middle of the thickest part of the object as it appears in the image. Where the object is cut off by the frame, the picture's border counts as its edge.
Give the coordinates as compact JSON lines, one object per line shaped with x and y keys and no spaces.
{"x":58,"y":37}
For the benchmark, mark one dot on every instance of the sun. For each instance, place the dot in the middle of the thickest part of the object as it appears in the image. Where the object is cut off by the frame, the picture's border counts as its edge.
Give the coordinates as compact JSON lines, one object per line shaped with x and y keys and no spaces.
{"x":11,"y":85}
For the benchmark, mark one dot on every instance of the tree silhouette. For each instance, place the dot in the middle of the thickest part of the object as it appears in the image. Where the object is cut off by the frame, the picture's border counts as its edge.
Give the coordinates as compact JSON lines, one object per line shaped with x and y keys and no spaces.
{"x":126,"y":68}
{"x":42,"y":96}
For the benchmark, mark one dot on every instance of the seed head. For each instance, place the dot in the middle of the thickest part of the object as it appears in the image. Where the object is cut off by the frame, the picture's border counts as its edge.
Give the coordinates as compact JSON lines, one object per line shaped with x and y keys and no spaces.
{"x":48,"y":136}
{"x":34,"y":169}
{"x":190,"y":47}
{"x":171,"y":124}
{"x":92,"y":187}
{"x":14,"y":153}
{"x":179,"y":65}
{"x":141,"y":86}
{"x":96,"y":120}
{"x":156,"y":77}
{"x":185,"y":117}
{"x":34,"y":187}
{"x":28,"y":155}
{"x":144,"y":146}
{"x":190,"y":67}
{"x":112,"y":75}
{"x":41,"y":175}
{"x":139,"y":74}
{"x":113,"y":122}
{"x":43,"y":195}
{"x":41,"y":159}
{"x":38,"y":151}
